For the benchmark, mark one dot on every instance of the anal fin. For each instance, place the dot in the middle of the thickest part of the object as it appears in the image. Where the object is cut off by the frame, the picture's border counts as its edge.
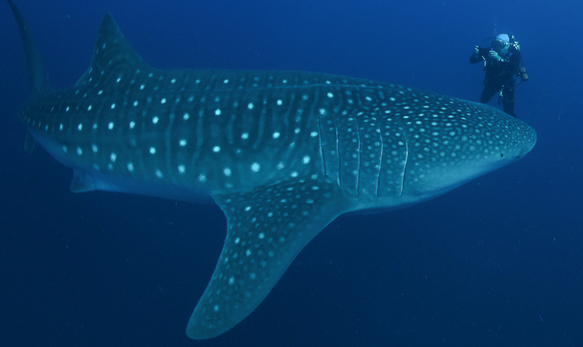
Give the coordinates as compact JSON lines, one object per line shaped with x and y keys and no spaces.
{"x":29,"y":142}
{"x":266,"y":229}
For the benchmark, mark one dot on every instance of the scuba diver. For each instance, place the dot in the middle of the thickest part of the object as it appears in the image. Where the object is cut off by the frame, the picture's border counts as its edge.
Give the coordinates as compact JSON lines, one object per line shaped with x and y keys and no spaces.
{"x":502,"y":62}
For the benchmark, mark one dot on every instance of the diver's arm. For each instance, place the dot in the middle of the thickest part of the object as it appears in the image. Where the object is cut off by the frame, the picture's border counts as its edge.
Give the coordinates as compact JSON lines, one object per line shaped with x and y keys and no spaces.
{"x":479,"y":54}
{"x":511,"y":63}
{"x":514,"y":60}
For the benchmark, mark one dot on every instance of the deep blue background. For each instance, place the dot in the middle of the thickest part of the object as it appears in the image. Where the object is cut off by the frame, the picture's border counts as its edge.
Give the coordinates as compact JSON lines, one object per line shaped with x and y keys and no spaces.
{"x":498,"y":262}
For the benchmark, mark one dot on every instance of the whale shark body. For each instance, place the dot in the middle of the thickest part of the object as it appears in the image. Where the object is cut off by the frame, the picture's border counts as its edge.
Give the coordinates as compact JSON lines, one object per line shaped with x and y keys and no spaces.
{"x":281,"y":153}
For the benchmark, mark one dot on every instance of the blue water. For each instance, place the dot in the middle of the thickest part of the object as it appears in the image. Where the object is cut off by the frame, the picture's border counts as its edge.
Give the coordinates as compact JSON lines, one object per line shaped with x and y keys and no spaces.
{"x":497,"y":262}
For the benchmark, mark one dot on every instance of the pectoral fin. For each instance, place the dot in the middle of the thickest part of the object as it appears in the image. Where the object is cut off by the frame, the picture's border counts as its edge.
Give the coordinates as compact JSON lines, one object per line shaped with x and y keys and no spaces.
{"x":266,"y":229}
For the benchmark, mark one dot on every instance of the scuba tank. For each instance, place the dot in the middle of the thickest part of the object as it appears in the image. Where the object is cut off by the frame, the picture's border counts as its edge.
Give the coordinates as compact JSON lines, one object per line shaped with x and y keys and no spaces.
{"x":521,"y":70}
{"x":522,"y":74}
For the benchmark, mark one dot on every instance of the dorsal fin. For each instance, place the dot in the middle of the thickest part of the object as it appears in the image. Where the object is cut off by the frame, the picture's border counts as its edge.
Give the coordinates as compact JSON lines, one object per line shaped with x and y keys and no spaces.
{"x":113,"y":57}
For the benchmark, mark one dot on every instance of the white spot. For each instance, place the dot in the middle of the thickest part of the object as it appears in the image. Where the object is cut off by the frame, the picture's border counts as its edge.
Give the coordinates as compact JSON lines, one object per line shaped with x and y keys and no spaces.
{"x":186,"y":116}
{"x":79,"y":151}
{"x":294,"y":174}
{"x":276,"y":135}
{"x":248,"y":252}
{"x":306,"y":159}
{"x":152,"y":150}
{"x":313,"y":134}
{"x":250,"y":106}
{"x":159,"y":174}
{"x":330,"y":95}
{"x":100,"y":92}
{"x":135,"y":103}
{"x":218,"y":112}
{"x":227,"y":172}
{"x":279,"y":102}
{"x":113,"y":157}
{"x":67,"y":109}
{"x":173,"y":80}
{"x":280,"y":165}
{"x":132,"y":124}
{"x":112,"y":106}
{"x":201,"y":178}
{"x":118,"y":79}
{"x":163,"y":101}
{"x":247,"y":209}
{"x":261,"y":236}
{"x":89,"y":108}
{"x":255,"y":167}
{"x":226,"y":81}
{"x":142,"y":87}
{"x":155,"y":120}
{"x":80,"y":126}
{"x":245,"y":136}
{"x":216,"y":149}
{"x":94,"y":148}
{"x":237,"y":240}
{"x":181,"y":169}
{"x":231,"y":280}
{"x":61,"y":126}
{"x":110,"y":125}
{"x":182,"y":142}
{"x":216,"y":308}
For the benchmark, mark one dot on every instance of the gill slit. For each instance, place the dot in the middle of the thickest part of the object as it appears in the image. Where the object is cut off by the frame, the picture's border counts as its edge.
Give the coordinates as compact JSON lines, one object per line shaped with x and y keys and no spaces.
{"x":406,"y":159}
{"x":322,"y":158}
{"x":380,"y":160}
{"x":260,"y":126}
{"x":358,"y":161}
{"x":337,"y":151}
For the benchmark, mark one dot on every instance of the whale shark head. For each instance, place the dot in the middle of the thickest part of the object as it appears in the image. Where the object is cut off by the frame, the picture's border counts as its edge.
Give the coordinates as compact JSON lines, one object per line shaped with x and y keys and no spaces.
{"x":455,"y":141}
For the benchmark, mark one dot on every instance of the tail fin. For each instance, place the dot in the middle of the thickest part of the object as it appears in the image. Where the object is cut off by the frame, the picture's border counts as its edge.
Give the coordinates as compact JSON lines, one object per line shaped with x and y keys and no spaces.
{"x":38,"y":78}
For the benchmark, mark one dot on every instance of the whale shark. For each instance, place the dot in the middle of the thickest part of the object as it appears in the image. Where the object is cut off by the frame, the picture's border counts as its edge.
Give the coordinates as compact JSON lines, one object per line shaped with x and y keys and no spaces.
{"x":282,"y":153}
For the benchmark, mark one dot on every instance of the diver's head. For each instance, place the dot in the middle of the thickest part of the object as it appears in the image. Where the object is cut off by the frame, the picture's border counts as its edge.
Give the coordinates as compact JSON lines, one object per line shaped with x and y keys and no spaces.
{"x":501,"y":44}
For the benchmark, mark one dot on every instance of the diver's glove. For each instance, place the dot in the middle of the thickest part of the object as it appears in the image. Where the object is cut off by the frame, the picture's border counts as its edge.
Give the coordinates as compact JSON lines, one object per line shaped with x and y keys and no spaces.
{"x":495,"y":56}
{"x":476,"y":51}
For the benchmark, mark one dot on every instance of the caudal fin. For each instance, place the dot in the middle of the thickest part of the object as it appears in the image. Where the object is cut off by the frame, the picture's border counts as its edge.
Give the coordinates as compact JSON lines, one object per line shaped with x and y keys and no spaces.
{"x":38,"y":78}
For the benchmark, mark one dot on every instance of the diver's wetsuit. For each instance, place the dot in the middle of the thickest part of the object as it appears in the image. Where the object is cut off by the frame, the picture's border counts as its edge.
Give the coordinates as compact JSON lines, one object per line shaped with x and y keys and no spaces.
{"x":499,"y":75}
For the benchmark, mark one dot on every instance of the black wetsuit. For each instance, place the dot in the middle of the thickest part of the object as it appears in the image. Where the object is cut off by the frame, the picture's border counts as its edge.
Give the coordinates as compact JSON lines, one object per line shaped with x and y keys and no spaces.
{"x":499,"y":75}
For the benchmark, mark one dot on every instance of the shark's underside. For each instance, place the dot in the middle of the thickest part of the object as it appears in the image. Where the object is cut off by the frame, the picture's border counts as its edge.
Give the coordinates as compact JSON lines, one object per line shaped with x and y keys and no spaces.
{"x":282,"y":153}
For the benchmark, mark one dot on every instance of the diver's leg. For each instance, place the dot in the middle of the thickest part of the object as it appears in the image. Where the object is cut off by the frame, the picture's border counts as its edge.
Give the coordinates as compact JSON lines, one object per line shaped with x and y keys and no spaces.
{"x":488,"y":93}
{"x":508,"y":98}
